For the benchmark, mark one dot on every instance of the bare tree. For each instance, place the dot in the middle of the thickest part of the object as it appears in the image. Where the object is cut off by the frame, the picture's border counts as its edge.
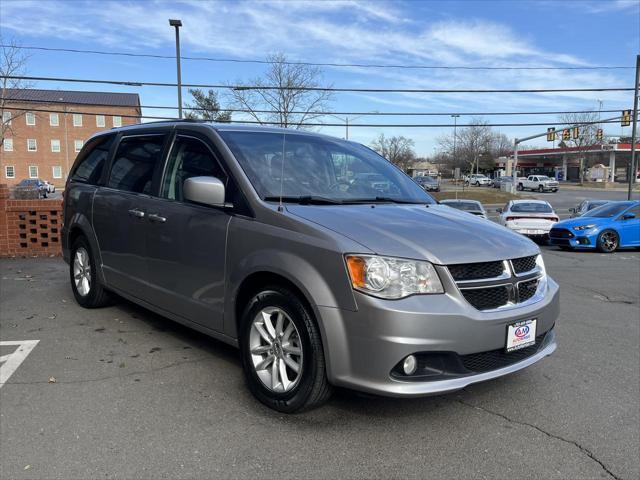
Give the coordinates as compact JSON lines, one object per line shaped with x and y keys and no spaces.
{"x":290,"y":103}
{"x":473,"y":144}
{"x":398,"y":150}
{"x":587,"y":130}
{"x":206,"y":107}
{"x":12,"y":64}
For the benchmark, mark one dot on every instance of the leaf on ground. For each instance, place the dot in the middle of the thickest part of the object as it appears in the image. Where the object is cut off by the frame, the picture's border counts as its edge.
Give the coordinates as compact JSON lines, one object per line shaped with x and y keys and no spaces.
{"x":52,"y":379}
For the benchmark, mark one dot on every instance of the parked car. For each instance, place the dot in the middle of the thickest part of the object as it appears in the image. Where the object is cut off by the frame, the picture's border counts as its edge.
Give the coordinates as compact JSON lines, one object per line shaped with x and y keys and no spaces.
{"x":257,"y":237}
{"x":533,"y":218}
{"x":541,"y":183}
{"x":498,"y":182}
{"x":470,"y":206}
{"x":477,"y":179}
{"x":372,"y":180}
{"x":585,"y":206}
{"x":35,"y":184}
{"x":606,"y":228}
{"x":430,"y":184}
{"x":51,"y":188}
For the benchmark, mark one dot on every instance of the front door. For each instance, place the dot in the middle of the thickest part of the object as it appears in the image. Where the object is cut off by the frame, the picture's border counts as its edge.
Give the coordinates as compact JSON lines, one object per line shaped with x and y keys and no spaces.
{"x":630,"y":228}
{"x":119,"y":217}
{"x":185,"y":242}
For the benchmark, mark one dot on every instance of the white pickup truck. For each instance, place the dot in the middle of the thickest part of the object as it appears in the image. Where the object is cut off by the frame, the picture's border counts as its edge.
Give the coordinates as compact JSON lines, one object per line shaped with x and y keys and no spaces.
{"x":541,"y":183}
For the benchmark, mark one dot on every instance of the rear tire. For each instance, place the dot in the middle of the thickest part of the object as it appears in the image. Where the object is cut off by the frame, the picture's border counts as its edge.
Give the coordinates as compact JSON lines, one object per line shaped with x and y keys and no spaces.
{"x":608,"y":241}
{"x":85,"y":283}
{"x":540,"y":188}
{"x":282,"y":353}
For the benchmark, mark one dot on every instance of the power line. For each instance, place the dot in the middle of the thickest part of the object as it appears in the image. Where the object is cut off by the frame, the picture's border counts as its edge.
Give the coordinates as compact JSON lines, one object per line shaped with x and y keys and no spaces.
{"x":318,"y":64}
{"x":321,"y":113}
{"x":319,"y":124}
{"x":318,"y":89}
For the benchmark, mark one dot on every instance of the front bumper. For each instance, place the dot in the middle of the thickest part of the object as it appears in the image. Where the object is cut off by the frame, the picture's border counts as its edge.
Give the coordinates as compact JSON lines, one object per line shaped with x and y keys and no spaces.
{"x":363,"y":347}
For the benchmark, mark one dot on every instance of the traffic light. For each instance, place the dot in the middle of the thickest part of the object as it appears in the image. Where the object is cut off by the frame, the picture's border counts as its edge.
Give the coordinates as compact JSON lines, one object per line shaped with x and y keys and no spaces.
{"x":625,"y":121}
{"x":566,"y":134}
{"x":575,"y":132}
{"x":599,"y":134}
{"x":551,"y":134}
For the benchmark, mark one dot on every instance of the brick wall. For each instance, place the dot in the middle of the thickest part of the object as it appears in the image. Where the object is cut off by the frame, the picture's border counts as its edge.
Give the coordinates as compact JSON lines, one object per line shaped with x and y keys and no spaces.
{"x":29,"y":227}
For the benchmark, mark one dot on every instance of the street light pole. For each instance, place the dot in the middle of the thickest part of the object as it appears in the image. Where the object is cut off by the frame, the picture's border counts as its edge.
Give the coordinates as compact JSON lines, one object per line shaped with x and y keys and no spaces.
{"x":634,"y":138}
{"x":177,"y":24}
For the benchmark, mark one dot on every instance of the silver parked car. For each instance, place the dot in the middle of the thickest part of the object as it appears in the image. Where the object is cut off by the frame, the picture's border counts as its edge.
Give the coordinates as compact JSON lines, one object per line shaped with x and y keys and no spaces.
{"x":473,"y":207}
{"x":323,"y":262}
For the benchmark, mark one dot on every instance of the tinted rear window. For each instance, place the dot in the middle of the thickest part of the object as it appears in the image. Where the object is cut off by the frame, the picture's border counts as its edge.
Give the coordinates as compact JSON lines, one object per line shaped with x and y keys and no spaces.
{"x":91,"y":161}
{"x":134,"y":163}
{"x":531,"y":208}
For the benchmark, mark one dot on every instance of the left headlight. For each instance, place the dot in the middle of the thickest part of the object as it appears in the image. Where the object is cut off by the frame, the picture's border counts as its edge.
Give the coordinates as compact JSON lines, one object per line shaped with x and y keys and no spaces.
{"x":584,"y":227}
{"x":392,"y":278}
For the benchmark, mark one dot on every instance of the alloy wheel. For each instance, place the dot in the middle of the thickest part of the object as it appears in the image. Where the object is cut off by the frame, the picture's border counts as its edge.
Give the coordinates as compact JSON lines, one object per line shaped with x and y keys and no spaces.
{"x":609,"y":241}
{"x":82,"y":271}
{"x":276,"y":350}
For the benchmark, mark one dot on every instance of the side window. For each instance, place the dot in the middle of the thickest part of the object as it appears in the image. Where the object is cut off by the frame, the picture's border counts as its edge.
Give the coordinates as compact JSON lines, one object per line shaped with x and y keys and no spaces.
{"x":189,"y":157}
{"x":134,"y":162}
{"x":91,"y":161}
{"x":635,"y":210}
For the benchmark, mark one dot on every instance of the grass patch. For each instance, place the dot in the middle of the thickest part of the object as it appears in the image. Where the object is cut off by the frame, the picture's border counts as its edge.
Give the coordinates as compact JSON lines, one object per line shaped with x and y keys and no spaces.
{"x":483,"y":195}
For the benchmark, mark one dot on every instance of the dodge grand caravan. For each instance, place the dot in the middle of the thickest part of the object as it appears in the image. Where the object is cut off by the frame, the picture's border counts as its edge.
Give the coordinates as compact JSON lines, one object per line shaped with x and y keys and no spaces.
{"x":268,"y":239}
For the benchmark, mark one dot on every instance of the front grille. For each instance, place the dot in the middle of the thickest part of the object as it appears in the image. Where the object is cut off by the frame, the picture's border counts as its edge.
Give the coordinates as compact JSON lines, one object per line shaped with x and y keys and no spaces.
{"x":487,"y":298}
{"x":527,"y":289}
{"x":476,"y":271}
{"x":495,"y":359}
{"x":524,"y":264}
{"x":560,"y":233}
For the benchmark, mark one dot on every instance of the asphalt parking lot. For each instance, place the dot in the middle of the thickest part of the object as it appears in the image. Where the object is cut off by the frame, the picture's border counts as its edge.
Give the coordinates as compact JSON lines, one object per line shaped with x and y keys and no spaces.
{"x":122,"y":393}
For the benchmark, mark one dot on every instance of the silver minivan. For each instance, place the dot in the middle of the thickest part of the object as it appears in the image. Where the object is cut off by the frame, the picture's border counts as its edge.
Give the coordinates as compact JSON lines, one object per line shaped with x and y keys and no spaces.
{"x":325,"y":264}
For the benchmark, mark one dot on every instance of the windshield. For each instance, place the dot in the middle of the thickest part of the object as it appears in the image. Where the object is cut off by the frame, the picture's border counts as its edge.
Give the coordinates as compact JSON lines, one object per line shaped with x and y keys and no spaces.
{"x":466,"y":206}
{"x":531,"y":208}
{"x":609,"y":210}
{"x":319,"y":169}
{"x":593,"y":205}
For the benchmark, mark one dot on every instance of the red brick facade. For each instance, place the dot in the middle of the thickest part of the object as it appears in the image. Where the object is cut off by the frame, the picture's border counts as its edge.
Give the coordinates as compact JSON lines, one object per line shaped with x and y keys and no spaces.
{"x":55,"y":144}
{"x":29,"y":227}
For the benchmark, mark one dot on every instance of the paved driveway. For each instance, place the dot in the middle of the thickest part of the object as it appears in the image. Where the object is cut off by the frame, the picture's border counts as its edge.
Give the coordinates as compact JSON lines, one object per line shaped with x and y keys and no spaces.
{"x":123,"y":393}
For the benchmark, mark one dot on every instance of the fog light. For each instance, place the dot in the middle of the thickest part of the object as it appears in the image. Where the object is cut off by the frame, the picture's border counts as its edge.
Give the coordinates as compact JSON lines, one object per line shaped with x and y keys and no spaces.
{"x":410,"y":365}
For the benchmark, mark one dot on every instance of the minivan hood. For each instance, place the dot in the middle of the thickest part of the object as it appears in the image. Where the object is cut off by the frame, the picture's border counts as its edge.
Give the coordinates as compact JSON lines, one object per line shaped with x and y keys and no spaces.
{"x":435,"y":233}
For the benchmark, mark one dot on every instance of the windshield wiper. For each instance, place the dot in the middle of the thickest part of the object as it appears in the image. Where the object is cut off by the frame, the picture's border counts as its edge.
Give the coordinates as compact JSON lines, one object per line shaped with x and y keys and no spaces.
{"x":386,"y":200}
{"x":304,"y":200}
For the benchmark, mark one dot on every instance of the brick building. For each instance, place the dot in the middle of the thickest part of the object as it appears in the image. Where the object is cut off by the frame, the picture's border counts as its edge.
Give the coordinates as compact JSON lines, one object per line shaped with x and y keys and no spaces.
{"x":48,"y":128}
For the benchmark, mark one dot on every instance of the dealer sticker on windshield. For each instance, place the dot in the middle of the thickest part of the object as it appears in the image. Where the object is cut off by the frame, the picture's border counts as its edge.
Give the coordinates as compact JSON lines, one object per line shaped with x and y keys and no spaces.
{"x":521,"y":334}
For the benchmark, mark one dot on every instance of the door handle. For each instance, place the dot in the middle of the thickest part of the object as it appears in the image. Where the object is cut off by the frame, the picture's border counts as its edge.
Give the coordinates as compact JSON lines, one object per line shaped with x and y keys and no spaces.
{"x":134,"y":212}
{"x":154,"y":217}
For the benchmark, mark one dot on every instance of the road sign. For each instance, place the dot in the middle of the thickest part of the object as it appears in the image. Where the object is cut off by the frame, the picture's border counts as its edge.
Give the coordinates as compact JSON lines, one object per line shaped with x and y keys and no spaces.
{"x":551,"y":134}
{"x":626,"y":118}
{"x":599,"y":134}
{"x":566,"y":134}
{"x":575,"y":132}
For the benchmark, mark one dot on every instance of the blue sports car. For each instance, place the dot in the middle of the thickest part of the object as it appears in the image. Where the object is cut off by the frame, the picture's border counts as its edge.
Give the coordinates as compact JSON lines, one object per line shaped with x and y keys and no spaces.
{"x":606,"y":228}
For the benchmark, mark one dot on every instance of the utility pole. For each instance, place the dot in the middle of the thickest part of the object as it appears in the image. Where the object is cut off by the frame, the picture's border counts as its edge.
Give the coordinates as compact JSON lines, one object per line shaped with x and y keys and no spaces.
{"x":177,"y":24}
{"x":632,"y":165}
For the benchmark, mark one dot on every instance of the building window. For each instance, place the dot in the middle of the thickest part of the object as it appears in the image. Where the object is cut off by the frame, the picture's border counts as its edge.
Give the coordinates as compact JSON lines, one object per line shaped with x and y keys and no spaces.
{"x":8,"y":144}
{"x":33,"y":171}
{"x":54,"y":119}
{"x":117,"y":121}
{"x":10,"y":171}
{"x":57,"y":171}
{"x":31,"y":118}
{"x":6,"y":118}
{"x":32,"y":146}
{"x":77,"y":144}
{"x":100,"y":121}
{"x":77,"y":119}
{"x":55,"y":146}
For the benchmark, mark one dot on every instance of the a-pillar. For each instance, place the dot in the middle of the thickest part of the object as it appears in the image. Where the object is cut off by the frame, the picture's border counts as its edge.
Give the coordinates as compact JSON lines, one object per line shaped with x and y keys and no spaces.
{"x":612,"y":166}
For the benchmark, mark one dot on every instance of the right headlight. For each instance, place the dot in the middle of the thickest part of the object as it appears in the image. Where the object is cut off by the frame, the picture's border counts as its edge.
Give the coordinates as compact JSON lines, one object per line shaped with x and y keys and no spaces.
{"x":392,"y":278}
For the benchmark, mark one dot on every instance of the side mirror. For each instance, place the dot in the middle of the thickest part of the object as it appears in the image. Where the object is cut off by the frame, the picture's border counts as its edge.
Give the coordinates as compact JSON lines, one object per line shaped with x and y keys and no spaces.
{"x":572,"y":210}
{"x":204,"y":190}
{"x":628,"y":216}
{"x":498,"y":210}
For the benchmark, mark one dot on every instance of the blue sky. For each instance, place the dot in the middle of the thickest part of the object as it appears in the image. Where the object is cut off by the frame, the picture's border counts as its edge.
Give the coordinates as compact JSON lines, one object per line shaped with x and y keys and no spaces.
{"x":453,"y":33}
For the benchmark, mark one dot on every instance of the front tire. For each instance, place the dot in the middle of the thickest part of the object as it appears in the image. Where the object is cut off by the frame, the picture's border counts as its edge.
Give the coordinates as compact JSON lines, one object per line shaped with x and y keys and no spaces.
{"x":282,"y":353}
{"x":608,"y":241}
{"x":85,"y":284}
